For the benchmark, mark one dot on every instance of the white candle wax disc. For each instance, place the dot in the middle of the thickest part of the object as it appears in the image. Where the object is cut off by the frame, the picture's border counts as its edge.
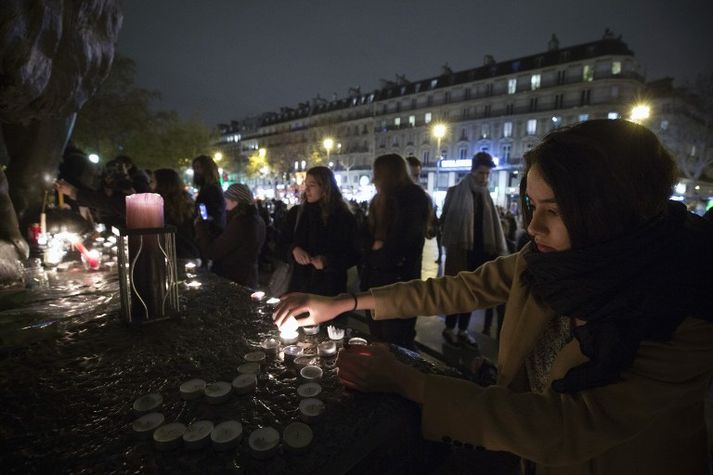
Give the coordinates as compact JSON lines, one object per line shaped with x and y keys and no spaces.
{"x":311,"y":330}
{"x":146,"y":424}
{"x":169,"y":436}
{"x":197,"y":434}
{"x":311,"y":408}
{"x":297,"y":436}
{"x":192,"y":389}
{"x":309,"y":389}
{"x":148,"y":402}
{"x":263,"y":442}
{"x":217,"y":392}
{"x":255,"y":357}
{"x":257,"y":296}
{"x":273,"y":301}
{"x":311,"y":373}
{"x":249,"y":368}
{"x":226,"y":435}
{"x":245,"y":383}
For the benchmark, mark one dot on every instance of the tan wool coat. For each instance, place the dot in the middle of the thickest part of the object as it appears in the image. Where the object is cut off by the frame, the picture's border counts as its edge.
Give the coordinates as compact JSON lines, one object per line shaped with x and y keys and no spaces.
{"x":651,"y":423}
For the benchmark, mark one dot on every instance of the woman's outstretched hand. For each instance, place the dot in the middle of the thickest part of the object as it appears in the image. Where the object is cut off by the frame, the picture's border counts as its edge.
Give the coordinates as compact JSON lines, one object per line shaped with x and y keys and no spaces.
{"x":320,"y":309}
{"x":374,"y":368}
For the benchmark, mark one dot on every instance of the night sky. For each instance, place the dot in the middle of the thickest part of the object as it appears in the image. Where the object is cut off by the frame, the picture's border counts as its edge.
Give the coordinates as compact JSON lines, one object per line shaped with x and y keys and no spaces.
{"x":226,"y":59}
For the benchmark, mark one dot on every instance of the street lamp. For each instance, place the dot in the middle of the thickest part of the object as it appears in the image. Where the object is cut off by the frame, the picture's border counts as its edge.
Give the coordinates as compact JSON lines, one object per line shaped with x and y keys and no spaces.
{"x":217,"y":156}
{"x":328,"y":144}
{"x":639,"y":113}
{"x":439,"y":131}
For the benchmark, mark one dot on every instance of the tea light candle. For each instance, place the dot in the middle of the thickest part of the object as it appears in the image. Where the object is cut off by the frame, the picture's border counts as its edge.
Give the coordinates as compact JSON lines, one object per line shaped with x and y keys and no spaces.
{"x":309,"y":390}
{"x":311,"y":373}
{"x":273,"y":301}
{"x":226,"y":435}
{"x":335,"y":333}
{"x":99,"y":239}
{"x":218,"y":392}
{"x":197,"y":435}
{"x":255,"y":357}
{"x":357,"y":341}
{"x":289,"y":336}
{"x":249,"y":368}
{"x":311,"y":409}
{"x":194,"y":284}
{"x":270,"y":345}
{"x":290,"y":353}
{"x":297,"y":437}
{"x":145,"y":425}
{"x":327,"y":349}
{"x":148,"y":402}
{"x":305,"y":360}
{"x":245,"y":383}
{"x":263,"y":442}
{"x":169,"y":436}
{"x":257,"y":296}
{"x":190,"y":267}
{"x":192,"y":389}
{"x":311,"y":330}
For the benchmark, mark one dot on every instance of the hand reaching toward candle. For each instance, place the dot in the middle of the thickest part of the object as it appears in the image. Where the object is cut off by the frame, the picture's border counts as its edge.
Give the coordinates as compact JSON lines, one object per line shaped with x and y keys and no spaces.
{"x":374,"y":368}
{"x":66,"y":189}
{"x":320,"y":309}
{"x":301,"y":256}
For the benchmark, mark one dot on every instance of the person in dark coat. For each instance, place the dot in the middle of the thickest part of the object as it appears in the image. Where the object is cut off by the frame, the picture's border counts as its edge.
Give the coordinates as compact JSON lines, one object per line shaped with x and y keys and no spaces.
{"x":178,"y":211}
{"x":398,"y":218}
{"x":207,"y":179}
{"x":235,"y":251}
{"x":324,"y":244}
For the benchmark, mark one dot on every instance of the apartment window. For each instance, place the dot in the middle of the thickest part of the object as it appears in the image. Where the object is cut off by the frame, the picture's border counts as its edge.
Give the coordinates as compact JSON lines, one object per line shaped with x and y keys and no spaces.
{"x":467,"y":93}
{"x":587,"y":73}
{"x":613,"y":115}
{"x":615,"y":91}
{"x":693,"y":150}
{"x":533,"y":104}
{"x":532,"y":127}
{"x":395,"y":142}
{"x":434,"y":83}
{"x":382,"y":143}
{"x":463,"y":153}
{"x":584,"y":97}
{"x":512,"y":86}
{"x":505,"y":151}
{"x":561,"y":76}
{"x":556,"y":121}
{"x":507,"y":129}
{"x":427,"y":117}
{"x":489,"y":89}
{"x":509,"y":109}
{"x":426,"y":156}
{"x":397,"y":122}
{"x":465,"y":113}
{"x":664,"y":124}
{"x":429,"y":101}
{"x":413,"y":103}
{"x":484,"y":131}
{"x":486,"y":110}
{"x":412,"y":121}
{"x":447,"y":97}
{"x":559,"y":101}
{"x":398,"y":106}
{"x":616,"y":68}
{"x":535,"y":82}
{"x":583,"y":117}
{"x":383,"y":125}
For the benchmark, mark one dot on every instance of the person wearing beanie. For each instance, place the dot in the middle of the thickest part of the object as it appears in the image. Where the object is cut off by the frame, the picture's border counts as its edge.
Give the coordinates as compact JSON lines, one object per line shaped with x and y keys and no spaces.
{"x":235,"y":251}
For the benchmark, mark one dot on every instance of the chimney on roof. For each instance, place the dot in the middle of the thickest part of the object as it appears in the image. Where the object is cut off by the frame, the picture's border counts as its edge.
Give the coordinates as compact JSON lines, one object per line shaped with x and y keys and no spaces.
{"x":401,"y":80}
{"x":385,"y":83}
{"x":553,"y":44}
{"x":446,"y":70}
{"x":488,"y":59}
{"x":355,"y":91}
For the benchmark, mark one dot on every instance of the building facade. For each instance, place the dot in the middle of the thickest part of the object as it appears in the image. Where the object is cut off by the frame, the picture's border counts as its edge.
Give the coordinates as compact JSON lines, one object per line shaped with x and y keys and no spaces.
{"x":502,"y":107}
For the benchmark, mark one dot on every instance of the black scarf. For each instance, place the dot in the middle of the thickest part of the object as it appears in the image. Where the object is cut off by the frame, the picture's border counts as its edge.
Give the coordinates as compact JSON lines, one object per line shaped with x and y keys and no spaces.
{"x":637,"y":287}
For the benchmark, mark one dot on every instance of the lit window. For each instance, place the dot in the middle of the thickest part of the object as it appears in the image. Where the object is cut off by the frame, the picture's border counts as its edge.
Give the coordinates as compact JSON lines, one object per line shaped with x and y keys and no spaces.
{"x":587,"y":73}
{"x":615,"y":91}
{"x":412,"y":120}
{"x":556,"y":121}
{"x":484,"y":131}
{"x":512,"y":86}
{"x":616,"y":67}
{"x":507,"y":129}
{"x":664,"y":124}
{"x":506,"y":149}
{"x":426,"y":156}
{"x":583,"y":117}
{"x":613,"y":115}
{"x":535,"y":81}
{"x":397,"y":121}
{"x":532,"y":127}
{"x":427,"y":117}
{"x":434,"y":83}
{"x":693,"y":150}
{"x":463,"y":153}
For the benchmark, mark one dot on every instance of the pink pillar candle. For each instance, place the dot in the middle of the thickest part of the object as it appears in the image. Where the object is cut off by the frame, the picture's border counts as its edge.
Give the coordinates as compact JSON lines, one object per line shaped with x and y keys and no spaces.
{"x":144,"y":210}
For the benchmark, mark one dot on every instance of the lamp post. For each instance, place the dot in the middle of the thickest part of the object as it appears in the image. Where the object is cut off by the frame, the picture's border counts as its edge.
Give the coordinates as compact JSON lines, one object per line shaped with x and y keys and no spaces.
{"x":439,"y":131}
{"x":328,"y":144}
{"x":639,"y":113}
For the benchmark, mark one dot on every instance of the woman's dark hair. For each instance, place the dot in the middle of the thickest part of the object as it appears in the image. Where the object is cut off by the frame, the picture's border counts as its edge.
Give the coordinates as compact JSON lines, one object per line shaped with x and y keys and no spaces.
{"x":332,"y":199}
{"x":608,"y":177}
{"x":210,"y":169}
{"x":178,"y":206}
{"x":390,"y":175}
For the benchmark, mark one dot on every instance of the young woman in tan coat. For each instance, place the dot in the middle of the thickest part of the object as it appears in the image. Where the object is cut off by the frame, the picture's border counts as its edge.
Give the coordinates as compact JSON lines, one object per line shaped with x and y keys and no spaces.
{"x":606,"y":351}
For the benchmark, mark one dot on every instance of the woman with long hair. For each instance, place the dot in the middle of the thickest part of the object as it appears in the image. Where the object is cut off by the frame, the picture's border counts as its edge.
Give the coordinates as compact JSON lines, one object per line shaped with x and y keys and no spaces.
{"x":235,"y":251}
{"x":606,"y":350}
{"x":207,"y":179}
{"x":397,"y":222}
{"x":178,"y":210}
{"x":324,"y":242}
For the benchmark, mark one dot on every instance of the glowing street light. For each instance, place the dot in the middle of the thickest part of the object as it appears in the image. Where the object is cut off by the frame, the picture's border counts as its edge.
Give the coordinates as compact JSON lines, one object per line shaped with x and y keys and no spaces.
{"x":640,"y":113}
{"x":217,"y":156}
{"x":93,"y":157}
{"x":262,"y":152}
{"x":328,"y":144}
